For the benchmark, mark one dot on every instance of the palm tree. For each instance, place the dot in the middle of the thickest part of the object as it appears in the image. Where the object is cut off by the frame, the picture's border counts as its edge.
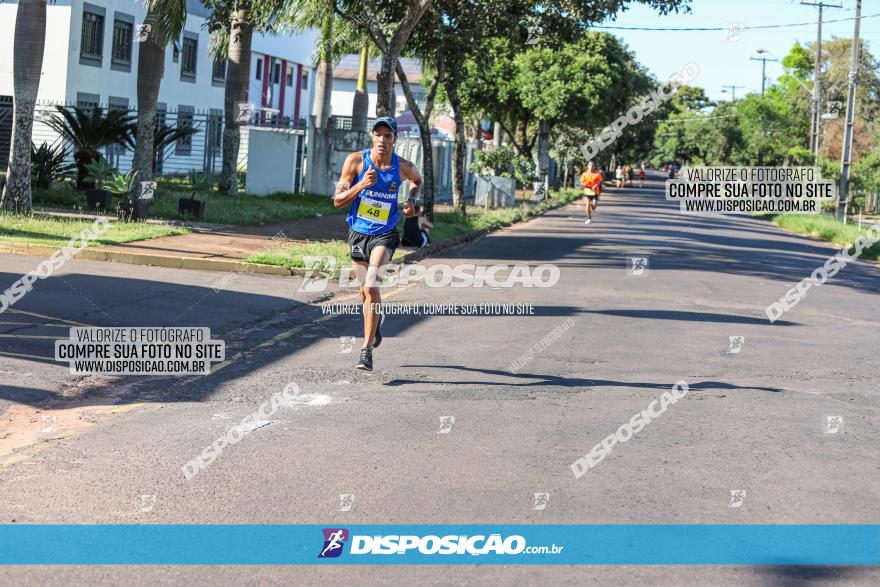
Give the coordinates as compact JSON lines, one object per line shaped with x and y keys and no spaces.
{"x":336,"y":38}
{"x":27,"y":65}
{"x":241,"y":32}
{"x":165,"y":19}
{"x":89,"y":129}
{"x":361,"y":103}
{"x":234,"y":23}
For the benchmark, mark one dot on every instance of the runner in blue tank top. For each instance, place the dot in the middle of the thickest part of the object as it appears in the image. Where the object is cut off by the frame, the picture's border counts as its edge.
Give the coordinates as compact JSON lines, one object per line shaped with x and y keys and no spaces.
{"x":370,"y":183}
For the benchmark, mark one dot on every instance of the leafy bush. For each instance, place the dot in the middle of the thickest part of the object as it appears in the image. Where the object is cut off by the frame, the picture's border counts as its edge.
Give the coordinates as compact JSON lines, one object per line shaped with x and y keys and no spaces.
{"x":200,"y":182}
{"x":89,"y":129}
{"x":99,"y":171}
{"x":48,"y":164}
{"x":524,"y":170}
{"x":121,"y":184}
{"x":494,"y":162}
{"x":59,"y":195}
{"x":866,"y":172}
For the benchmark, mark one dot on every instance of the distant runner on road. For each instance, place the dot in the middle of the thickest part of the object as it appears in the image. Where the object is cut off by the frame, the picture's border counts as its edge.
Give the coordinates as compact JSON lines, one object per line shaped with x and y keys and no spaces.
{"x":592,"y":182}
{"x":369,"y":182}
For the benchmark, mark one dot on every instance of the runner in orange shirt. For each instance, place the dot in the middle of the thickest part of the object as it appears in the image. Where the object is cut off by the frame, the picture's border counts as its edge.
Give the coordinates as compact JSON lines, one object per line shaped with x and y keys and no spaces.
{"x":592,"y":182}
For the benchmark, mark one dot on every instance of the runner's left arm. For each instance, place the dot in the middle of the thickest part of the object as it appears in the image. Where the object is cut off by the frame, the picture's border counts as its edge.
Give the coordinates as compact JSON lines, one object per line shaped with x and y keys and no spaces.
{"x":410,"y":172}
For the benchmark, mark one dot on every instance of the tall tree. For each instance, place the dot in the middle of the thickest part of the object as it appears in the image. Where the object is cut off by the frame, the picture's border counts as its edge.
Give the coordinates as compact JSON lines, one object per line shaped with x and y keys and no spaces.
{"x":561,"y":21}
{"x":27,"y":66}
{"x":423,"y":118}
{"x":165,"y":19}
{"x":387,"y":17}
{"x":233,"y":22}
{"x":241,"y":31}
{"x":336,"y":38}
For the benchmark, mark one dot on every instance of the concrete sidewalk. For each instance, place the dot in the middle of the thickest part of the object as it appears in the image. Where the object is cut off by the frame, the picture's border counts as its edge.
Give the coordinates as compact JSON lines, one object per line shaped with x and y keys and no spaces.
{"x":215,"y":247}
{"x":208,"y":247}
{"x":233,"y":243}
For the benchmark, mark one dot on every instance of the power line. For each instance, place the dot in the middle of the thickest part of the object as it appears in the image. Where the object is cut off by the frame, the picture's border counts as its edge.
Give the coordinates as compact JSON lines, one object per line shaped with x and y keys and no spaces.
{"x":745,"y":28}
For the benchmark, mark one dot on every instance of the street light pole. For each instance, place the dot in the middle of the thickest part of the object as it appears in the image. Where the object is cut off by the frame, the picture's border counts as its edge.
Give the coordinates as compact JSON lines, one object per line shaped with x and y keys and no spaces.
{"x":732,"y":89}
{"x":817,"y":90}
{"x":763,"y":61}
{"x":846,"y":155}
{"x":814,"y":125}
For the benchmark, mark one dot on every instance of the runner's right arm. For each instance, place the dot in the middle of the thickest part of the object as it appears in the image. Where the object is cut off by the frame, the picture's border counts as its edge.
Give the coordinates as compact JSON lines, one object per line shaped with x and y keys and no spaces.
{"x":345,"y":191}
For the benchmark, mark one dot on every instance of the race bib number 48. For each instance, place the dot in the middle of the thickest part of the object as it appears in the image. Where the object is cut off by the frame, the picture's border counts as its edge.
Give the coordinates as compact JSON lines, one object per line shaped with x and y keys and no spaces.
{"x":374,"y":210}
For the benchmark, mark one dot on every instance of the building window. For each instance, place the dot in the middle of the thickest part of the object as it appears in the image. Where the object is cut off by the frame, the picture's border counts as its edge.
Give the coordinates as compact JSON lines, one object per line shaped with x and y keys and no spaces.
{"x":86,"y":101}
{"x":259,"y":68}
{"x":122,"y":41}
{"x":219,"y":72}
{"x":184,"y":119}
{"x":188,"y":57}
{"x":276,"y":73}
{"x":305,"y":82}
{"x":92,"y":41}
{"x":289,"y":76}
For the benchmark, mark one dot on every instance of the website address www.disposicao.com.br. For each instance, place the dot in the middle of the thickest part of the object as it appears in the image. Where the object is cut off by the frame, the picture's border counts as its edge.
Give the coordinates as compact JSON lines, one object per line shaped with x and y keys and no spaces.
{"x":335,"y":540}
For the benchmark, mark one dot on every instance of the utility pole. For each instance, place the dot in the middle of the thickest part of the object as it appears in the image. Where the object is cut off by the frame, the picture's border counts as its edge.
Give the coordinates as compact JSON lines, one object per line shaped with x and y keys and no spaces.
{"x":732,"y":89}
{"x":817,"y":90}
{"x":763,"y":61}
{"x":846,"y":155}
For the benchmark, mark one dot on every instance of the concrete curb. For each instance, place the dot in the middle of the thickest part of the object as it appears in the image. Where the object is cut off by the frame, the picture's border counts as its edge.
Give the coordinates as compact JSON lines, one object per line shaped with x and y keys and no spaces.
{"x":97,"y":254}
{"x":100,"y":254}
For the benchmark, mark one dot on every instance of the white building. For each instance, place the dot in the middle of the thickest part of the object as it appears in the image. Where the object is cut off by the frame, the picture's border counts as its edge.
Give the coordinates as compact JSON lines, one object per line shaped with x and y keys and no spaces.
{"x":345,"y":77}
{"x":91,"y":58}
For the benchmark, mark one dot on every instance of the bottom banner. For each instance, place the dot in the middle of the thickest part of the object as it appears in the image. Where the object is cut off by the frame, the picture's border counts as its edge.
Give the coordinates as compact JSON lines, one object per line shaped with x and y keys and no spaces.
{"x":277,"y":544}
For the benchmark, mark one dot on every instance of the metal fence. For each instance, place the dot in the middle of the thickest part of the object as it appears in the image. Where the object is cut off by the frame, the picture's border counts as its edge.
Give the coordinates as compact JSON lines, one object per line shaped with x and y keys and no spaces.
{"x":201,"y":151}
{"x":870,"y":201}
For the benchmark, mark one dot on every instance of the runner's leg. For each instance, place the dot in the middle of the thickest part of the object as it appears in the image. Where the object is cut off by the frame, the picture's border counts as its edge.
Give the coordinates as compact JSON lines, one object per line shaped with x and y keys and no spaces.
{"x":371,"y":297}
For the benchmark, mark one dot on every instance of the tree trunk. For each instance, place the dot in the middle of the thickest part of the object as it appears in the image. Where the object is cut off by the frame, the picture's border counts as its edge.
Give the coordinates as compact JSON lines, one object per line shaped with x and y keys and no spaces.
{"x":324,"y":76}
{"x":522,"y":140}
{"x":458,"y":163}
{"x":151,"y":65}
{"x":361,"y":104}
{"x":544,"y":154}
{"x":391,"y":51}
{"x":237,"y":78}
{"x":423,"y":118}
{"x":385,"y":84}
{"x":27,"y":65}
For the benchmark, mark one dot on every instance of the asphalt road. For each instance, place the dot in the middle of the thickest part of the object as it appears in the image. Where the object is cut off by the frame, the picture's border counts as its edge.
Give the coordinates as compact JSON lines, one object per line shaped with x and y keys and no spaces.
{"x":754,"y":420}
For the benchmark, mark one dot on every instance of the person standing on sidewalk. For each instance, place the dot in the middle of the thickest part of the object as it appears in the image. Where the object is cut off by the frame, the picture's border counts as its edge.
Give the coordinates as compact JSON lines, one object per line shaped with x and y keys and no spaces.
{"x":369,"y":182}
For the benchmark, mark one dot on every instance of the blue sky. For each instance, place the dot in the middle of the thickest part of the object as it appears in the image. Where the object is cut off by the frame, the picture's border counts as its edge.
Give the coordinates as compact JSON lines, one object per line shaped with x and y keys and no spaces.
{"x":722,"y":62}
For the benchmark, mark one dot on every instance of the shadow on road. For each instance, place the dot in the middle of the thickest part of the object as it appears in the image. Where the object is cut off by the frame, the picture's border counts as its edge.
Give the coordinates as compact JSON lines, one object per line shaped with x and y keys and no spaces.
{"x":782,"y":575}
{"x":539,"y":379}
{"x":643,"y":223}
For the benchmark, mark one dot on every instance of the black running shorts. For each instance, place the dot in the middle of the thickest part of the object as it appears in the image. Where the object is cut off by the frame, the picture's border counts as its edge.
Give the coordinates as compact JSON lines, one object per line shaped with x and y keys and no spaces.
{"x":362,"y":245}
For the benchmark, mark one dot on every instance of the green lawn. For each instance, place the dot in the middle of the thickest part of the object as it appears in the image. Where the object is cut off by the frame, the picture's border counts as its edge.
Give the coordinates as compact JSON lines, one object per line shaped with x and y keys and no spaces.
{"x":240,"y":209}
{"x":446,"y":225}
{"x":828,"y":229}
{"x":53,"y":231}
{"x":244,"y":209}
